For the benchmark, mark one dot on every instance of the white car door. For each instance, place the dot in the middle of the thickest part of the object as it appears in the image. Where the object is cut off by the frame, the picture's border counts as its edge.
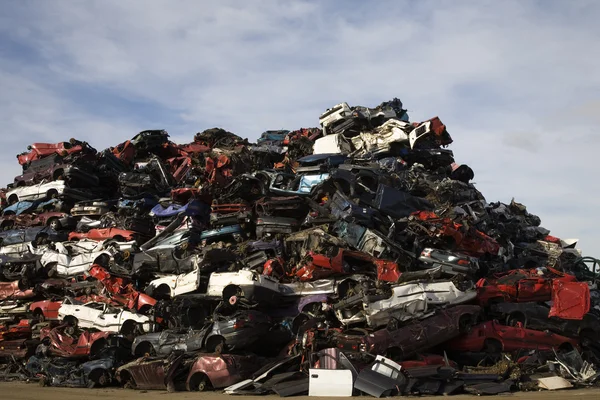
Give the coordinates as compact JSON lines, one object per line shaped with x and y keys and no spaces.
{"x":88,"y":313}
{"x":108,"y":319}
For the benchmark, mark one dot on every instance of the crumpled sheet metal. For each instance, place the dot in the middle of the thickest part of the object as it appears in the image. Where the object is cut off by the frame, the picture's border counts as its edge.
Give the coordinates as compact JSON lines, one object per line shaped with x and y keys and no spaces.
{"x":361,"y":238}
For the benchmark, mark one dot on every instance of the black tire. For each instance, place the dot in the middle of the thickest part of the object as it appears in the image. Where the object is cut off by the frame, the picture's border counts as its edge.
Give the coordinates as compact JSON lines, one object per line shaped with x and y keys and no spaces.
{"x":492,"y":346}
{"x":71,"y":321}
{"x":98,"y":347}
{"x":51,"y":269}
{"x":128,"y":328}
{"x":39,"y":315}
{"x":52,"y":194}
{"x":231,"y":291}
{"x":199,"y":382}
{"x":54,"y":224}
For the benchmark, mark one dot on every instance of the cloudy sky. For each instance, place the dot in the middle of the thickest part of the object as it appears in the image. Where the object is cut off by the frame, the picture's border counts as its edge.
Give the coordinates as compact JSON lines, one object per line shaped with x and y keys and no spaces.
{"x":516,"y":82}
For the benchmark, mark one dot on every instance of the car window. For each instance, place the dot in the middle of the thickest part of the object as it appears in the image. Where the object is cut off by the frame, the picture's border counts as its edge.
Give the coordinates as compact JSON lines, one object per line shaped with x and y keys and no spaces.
{"x":95,"y":306}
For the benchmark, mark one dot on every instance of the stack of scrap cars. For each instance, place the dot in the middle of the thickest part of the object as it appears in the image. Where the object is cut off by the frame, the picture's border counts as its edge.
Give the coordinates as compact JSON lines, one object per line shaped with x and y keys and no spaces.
{"x":353,"y":258}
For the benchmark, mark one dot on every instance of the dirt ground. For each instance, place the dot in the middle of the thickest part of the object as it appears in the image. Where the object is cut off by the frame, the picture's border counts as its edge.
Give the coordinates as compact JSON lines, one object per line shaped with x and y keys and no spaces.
{"x":31,"y":391}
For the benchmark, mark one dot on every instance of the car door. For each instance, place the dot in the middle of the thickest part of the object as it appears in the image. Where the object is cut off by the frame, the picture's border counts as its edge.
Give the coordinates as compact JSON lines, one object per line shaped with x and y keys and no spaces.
{"x":87,"y":313}
{"x":109,"y":319}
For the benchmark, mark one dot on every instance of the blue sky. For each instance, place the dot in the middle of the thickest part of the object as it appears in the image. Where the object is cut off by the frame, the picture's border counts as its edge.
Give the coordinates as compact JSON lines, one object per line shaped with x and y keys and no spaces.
{"x":516,"y":82}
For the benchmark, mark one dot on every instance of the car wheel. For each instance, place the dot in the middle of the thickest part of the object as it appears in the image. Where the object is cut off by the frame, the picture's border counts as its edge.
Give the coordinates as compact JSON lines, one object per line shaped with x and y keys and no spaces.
{"x":54,"y":223}
{"x":72,"y":322}
{"x":203,"y":384}
{"x":52,"y":194}
{"x":39,"y":315}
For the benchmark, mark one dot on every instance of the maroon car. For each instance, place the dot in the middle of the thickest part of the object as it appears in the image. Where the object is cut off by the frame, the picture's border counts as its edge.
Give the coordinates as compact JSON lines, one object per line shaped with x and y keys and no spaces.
{"x":494,"y":338}
{"x":15,"y":290}
{"x":55,"y":220}
{"x":414,"y":337}
{"x":212,"y":371}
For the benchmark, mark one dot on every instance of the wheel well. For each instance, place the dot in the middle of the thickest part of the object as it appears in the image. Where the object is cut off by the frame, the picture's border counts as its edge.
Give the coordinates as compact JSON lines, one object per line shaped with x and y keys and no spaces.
{"x":143,"y":348}
{"x":51,"y":192}
{"x":125,"y":376}
{"x":566,"y":347}
{"x":102,"y":260}
{"x":490,"y":343}
{"x":95,"y":374}
{"x":57,"y":174}
{"x":118,"y":238}
{"x":162,"y":291}
{"x":128,"y":325}
{"x":196,"y":379}
{"x":231,"y":290}
{"x":97,"y":346}
{"x":71,"y":320}
{"x":212,"y":342}
{"x":13,"y":197}
{"x":144,"y":309}
{"x":518,"y":316}
{"x":51,"y":219}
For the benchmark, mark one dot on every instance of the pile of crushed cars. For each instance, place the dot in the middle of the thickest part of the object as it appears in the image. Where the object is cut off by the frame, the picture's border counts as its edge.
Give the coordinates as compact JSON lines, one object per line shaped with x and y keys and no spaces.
{"x":354,"y":258}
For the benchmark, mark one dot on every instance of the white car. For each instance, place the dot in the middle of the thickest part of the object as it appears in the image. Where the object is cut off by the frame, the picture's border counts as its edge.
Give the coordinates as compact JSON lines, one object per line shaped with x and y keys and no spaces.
{"x":103,"y":317}
{"x":246,"y":283}
{"x":408,"y":301}
{"x":334,"y":114}
{"x":75,"y":258}
{"x":44,"y":190}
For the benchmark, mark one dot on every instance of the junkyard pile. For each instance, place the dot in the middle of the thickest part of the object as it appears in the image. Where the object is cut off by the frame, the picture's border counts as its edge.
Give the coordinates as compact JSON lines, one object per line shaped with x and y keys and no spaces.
{"x":352,"y":258}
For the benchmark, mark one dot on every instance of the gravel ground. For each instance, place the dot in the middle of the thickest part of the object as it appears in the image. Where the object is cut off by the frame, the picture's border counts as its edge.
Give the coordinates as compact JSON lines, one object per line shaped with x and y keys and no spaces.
{"x":31,"y":391}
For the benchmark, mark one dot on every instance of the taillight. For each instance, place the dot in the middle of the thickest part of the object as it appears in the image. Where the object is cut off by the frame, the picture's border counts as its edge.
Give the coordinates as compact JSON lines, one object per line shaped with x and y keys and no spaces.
{"x":463,"y":262}
{"x":239,"y":323}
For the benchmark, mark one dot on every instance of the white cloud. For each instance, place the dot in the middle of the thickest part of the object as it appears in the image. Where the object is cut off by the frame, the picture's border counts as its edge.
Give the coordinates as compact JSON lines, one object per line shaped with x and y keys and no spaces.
{"x":516,"y":82}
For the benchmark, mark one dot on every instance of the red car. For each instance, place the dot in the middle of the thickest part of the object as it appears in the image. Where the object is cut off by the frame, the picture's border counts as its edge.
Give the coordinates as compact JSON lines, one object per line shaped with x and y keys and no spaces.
{"x":467,"y":239}
{"x":180,"y":166}
{"x":62,"y":344}
{"x":41,"y":150}
{"x":520,"y":285}
{"x":194,"y":148}
{"x":122,"y":290}
{"x":119,"y":235}
{"x":495,"y":338}
{"x":346,"y":262}
{"x":125,"y":152}
{"x":21,"y":330}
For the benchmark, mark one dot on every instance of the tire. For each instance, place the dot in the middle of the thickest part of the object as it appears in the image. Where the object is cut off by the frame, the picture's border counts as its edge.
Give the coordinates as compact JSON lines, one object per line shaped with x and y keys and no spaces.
{"x":128,"y":327}
{"x":71,"y":321}
{"x":492,"y":346}
{"x":199,"y":382}
{"x":39,"y":314}
{"x":51,"y":269}
{"x":98,"y":347}
{"x":52,"y":194}
{"x":54,"y":223}
{"x":232,"y":291}
{"x":145,"y":349}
